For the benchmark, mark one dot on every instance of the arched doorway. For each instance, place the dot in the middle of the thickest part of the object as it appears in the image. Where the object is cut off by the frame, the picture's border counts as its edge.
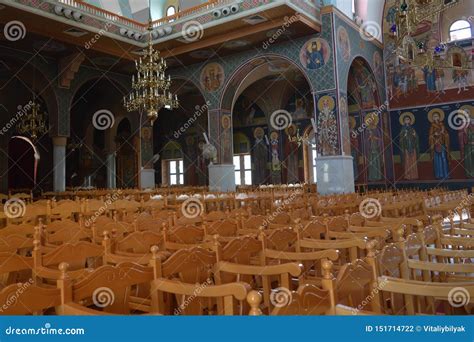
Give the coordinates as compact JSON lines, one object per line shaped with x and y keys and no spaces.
{"x":367,"y":125}
{"x":21,"y":165}
{"x":183,"y":127}
{"x":271,"y":103}
{"x":95,"y":111}
{"x":21,"y":83}
{"x":127,"y":158}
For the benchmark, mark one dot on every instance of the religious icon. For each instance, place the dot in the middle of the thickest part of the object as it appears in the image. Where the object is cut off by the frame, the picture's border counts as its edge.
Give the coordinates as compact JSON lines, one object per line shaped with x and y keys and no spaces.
{"x":260,"y":153}
{"x":439,"y":143}
{"x":327,"y":126}
{"x":374,"y":154}
{"x":409,"y":146}
{"x":466,"y":141}
{"x":147,"y":147}
{"x":343,"y":43}
{"x":354,"y":141}
{"x":212,"y":77}
{"x":274,"y":146}
{"x":315,"y":53}
{"x":291,"y":154}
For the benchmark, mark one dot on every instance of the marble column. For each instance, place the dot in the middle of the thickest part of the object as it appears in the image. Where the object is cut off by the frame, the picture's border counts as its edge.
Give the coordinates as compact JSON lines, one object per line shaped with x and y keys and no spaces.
{"x":59,"y":162}
{"x":221,"y":174}
{"x":146,"y":171}
{"x":111,"y":171}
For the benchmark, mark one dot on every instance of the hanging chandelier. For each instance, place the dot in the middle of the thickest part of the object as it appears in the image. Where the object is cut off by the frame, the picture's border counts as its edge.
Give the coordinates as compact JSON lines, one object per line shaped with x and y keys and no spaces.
{"x":409,"y":16}
{"x":150,"y":88}
{"x":33,"y":123}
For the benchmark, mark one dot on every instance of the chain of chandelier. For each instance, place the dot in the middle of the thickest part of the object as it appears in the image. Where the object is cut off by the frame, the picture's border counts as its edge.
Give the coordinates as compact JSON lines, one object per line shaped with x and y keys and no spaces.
{"x":150,"y":88}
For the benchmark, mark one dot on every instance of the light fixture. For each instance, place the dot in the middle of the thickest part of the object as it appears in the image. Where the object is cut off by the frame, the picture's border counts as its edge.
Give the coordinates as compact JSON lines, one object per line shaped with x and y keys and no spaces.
{"x":409,"y":17}
{"x":33,"y":123}
{"x":150,"y":88}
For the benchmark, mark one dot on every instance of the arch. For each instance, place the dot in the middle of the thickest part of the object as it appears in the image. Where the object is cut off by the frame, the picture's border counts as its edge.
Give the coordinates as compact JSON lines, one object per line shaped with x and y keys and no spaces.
{"x":227,"y":100}
{"x":460,"y":29}
{"x":36,"y":79}
{"x":367,"y":65}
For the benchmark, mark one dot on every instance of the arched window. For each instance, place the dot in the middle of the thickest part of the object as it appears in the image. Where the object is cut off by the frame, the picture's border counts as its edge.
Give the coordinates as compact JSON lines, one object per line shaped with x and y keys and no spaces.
{"x":171,"y":10}
{"x":460,"y":29}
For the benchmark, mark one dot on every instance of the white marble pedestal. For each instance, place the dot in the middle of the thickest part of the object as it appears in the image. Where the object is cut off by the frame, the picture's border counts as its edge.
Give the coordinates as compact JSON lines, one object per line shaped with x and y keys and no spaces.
{"x":147,"y":179}
{"x":221,"y":177}
{"x":335,"y":175}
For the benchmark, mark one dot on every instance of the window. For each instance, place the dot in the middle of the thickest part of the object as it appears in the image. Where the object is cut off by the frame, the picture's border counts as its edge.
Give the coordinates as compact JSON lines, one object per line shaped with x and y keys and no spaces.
{"x":170,"y":11}
{"x":176,"y":172}
{"x":314,"y":154}
{"x":243,"y":169}
{"x":459,"y":30}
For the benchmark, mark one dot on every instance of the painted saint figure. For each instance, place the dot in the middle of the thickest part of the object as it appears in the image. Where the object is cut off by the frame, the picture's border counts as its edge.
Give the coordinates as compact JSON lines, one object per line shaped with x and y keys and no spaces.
{"x":327,"y":127}
{"x":439,"y":144}
{"x":409,"y":146}
{"x":314,"y":55}
{"x":374,"y":153}
{"x":466,"y":141}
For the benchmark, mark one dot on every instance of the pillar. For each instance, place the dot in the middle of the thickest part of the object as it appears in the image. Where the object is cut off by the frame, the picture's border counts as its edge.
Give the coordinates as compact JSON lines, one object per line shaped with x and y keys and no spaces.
{"x":111,"y":170}
{"x":221,"y":173}
{"x":334,"y":163}
{"x":59,"y":162}
{"x":146,"y":169}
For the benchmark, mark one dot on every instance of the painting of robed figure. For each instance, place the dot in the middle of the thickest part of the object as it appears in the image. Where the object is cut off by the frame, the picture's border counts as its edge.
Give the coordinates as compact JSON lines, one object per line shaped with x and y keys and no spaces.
{"x":439,"y":144}
{"x":374,"y":148}
{"x":466,"y":140}
{"x":409,"y":146}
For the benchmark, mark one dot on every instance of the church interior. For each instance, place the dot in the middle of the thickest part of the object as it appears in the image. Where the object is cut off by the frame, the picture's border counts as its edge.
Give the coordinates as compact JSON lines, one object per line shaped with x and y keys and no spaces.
{"x":250,"y":157}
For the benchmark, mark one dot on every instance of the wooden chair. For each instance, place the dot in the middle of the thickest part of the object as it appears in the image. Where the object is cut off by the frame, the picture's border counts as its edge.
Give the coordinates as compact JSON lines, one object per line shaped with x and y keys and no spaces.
{"x":411,"y":291}
{"x":108,"y":289}
{"x":80,"y":256}
{"x":28,"y":299}
{"x":14,"y":268}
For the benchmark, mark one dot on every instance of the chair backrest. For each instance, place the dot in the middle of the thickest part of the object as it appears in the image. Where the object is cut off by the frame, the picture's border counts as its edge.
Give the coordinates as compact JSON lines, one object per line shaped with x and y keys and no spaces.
{"x":139,"y":242}
{"x":109,"y":287}
{"x":283,"y":239}
{"x":27,"y":298}
{"x":307,"y":300}
{"x":226,"y":228}
{"x":75,"y":254}
{"x":411,"y":293}
{"x":189,"y":265}
{"x":240,"y":250}
{"x":315,"y":229}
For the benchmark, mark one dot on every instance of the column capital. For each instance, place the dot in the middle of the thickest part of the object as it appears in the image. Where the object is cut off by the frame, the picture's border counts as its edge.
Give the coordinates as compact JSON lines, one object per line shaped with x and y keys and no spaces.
{"x":59,"y":141}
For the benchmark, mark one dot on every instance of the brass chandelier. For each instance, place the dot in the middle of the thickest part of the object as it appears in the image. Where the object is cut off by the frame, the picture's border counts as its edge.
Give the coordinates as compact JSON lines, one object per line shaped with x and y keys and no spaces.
{"x":150,"y":89}
{"x":33,"y":123}
{"x":407,"y":19}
